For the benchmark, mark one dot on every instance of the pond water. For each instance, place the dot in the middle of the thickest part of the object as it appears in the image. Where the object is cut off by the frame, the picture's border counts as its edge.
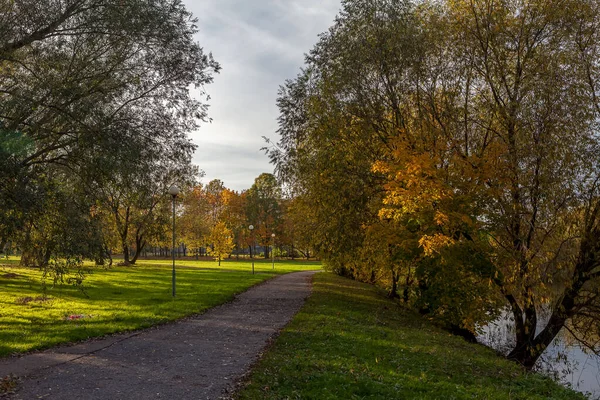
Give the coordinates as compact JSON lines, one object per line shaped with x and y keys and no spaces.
{"x":564,"y":360}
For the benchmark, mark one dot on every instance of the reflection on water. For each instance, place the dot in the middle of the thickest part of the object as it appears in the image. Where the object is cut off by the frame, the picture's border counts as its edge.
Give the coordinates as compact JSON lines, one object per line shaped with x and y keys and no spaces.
{"x":584,"y":372}
{"x":563,"y":359}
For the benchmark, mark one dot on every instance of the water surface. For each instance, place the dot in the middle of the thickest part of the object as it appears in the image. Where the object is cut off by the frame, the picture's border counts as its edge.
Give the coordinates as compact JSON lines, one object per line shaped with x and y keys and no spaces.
{"x":563,"y":359}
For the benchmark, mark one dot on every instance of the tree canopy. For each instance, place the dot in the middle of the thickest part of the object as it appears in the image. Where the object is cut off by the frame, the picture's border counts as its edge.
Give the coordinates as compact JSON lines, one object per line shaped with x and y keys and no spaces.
{"x":449,"y":151}
{"x":95,"y":103}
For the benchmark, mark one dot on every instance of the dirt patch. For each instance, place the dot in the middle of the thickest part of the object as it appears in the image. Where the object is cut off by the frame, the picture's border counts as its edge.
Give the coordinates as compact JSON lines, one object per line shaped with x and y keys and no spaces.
{"x":11,"y":275}
{"x":28,"y":299}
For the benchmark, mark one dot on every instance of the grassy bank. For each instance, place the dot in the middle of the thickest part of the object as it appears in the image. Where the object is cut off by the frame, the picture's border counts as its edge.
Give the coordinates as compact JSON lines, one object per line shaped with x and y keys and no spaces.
{"x":349,"y":342}
{"x":117,"y":299}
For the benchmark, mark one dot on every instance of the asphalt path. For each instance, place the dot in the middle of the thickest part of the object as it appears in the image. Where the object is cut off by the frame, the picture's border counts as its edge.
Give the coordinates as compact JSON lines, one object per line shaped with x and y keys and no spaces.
{"x":200,"y":357}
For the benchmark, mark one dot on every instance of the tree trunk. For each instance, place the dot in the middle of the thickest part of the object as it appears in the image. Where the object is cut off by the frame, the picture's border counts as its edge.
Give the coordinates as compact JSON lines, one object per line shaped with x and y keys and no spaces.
{"x":407,"y":283}
{"x":140,"y":244}
{"x":524,"y":352}
{"x":393,"y":293}
{"x":123,"y":229}
{"x":373,"y":277}
{"x":126,"y":254}
{"x":46,"y":257}
{"x":529,"y":348}
{"x":109,"y":255}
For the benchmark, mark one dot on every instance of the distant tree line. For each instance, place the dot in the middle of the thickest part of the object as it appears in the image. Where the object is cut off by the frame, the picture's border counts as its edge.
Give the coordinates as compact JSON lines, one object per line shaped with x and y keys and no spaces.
{"x":218,"y":219}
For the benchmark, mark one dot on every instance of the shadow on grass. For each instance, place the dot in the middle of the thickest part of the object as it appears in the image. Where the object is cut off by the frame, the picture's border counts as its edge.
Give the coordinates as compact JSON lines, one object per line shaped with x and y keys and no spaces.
{"x":350,"y":342}
{"x":115,"y":299}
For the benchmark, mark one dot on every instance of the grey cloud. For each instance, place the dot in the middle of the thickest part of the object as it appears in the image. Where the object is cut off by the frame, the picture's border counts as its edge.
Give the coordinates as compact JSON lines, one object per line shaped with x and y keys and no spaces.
{"x":235,"y":164}
{"x":259,"y":44}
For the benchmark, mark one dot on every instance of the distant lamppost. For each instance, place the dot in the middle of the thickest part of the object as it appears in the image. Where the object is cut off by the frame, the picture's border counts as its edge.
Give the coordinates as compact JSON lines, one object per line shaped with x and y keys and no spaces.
{"x":273,"y":250}
{"x":173,"y":191}
{"x":251,"y":227}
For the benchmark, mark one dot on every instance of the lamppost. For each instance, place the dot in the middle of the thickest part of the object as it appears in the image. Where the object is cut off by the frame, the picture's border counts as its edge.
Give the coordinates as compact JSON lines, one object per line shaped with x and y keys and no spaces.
{"x":273,"y":250}
{"x":173,"y":191}
{"x":251,"y":227}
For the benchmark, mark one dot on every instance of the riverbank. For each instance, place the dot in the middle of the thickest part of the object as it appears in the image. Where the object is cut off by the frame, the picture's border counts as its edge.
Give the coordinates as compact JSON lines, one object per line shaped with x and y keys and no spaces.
{"x":349,"y":341}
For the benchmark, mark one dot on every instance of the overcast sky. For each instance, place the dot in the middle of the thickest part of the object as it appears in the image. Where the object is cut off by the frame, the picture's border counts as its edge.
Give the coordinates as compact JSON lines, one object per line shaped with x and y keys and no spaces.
{"x":259,"y":44}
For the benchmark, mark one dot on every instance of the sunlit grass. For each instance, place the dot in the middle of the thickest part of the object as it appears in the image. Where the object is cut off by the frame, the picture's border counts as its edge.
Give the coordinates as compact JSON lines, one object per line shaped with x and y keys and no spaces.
{"x":350,"y":342}
{"x":117,"y":299}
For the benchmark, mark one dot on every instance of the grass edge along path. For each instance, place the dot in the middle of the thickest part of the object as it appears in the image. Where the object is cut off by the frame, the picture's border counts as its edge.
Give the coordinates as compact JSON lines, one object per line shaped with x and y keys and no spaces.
{"x":118,"y":299}
{"x":350,"y":342}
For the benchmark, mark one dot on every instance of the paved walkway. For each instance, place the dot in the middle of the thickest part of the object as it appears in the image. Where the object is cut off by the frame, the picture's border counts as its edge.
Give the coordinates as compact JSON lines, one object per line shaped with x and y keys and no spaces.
{"x":197,"y":358}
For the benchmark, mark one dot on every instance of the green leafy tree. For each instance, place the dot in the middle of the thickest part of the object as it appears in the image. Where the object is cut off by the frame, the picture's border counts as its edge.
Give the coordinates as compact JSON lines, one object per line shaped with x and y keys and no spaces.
{"x":193,"y":224}
{"x":93,"y":88}
{"x":263,"y":208}
{"x":234,"y":215}
{"x":213,"y":192}
{"x":140,"y":205}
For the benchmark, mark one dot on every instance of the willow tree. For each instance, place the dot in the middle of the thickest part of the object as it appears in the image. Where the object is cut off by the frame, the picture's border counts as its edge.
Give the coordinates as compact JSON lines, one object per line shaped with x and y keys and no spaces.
{"x":524,"y":140}
{"x":334,"y":127}
{"x":513,"y":168}
{"x":92,"y":89}
{"x":136,"y":201}
{"x":469,"y":128}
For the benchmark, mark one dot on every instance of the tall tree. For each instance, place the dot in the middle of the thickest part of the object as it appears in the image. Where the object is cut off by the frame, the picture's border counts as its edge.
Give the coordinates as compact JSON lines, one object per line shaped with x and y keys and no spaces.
{"x":138,"y":201}
{"x":214,"y":197}
{"x":234,"y":215}
{"x":193,"y":224}
{"x":87,"y":86}
{"x":457,"y":138}
{"x":263,"y":208}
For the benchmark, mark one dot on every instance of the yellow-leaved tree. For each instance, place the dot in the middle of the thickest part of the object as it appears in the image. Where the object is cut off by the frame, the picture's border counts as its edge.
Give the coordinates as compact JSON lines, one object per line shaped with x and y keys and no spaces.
{"x":221,"y":240}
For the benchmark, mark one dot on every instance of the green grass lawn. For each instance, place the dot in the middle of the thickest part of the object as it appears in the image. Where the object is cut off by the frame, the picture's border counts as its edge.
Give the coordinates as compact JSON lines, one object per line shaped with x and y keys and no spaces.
{"x":117,"y":299}
{"x":349,"y":342}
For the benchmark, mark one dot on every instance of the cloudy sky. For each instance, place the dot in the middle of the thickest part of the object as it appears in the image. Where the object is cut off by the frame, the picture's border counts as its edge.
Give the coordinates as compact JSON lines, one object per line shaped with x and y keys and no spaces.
{"x":259,"y":44}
